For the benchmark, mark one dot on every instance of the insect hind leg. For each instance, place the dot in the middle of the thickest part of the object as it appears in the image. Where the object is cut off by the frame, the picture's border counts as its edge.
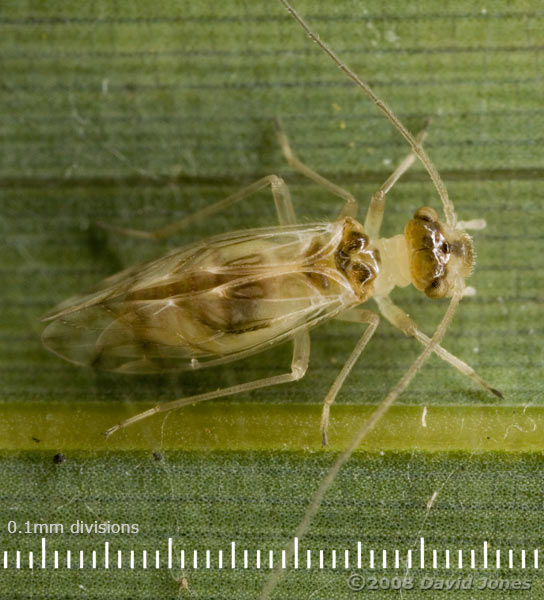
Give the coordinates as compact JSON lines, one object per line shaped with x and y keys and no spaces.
{"x":299,"y":365}
{"x":280,"y":193}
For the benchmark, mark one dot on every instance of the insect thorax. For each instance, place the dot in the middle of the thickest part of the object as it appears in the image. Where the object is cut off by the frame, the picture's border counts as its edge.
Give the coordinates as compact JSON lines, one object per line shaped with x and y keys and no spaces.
{"x":357,"y":260}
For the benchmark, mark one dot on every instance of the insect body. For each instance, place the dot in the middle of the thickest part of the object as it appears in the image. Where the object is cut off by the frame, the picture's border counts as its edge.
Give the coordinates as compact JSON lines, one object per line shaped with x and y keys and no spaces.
{"x":237,"y":294}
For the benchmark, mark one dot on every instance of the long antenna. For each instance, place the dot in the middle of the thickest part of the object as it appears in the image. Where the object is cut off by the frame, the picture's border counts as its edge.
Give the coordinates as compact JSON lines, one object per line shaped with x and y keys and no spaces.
{"x":449,"y":210}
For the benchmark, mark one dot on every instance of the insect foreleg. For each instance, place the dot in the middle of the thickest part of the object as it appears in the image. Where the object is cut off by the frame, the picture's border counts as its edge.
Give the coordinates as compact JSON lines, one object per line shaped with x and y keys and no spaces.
{"x":374,"y":215}
{"x":355,"y":315}
{"x":280,"y":193}
{"x":397,"y":317}
{"x":350,"y":206}
{"x":299,"y":365}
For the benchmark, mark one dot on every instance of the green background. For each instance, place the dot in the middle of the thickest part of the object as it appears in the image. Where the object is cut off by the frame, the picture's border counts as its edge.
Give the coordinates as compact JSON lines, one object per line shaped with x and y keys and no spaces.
{"x":138,"y":113}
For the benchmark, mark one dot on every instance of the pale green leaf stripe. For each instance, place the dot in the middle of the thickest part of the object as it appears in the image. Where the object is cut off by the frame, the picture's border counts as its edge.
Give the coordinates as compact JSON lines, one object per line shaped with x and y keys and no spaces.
{"x":248,"y":426}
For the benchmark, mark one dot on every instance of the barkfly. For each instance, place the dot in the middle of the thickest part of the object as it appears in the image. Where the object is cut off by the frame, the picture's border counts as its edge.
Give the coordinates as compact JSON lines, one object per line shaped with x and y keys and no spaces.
{"x":237,"y":294}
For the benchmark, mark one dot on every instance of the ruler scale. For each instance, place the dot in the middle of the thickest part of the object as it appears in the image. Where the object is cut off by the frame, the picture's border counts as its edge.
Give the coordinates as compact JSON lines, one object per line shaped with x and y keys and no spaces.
{"x":422,"y":557}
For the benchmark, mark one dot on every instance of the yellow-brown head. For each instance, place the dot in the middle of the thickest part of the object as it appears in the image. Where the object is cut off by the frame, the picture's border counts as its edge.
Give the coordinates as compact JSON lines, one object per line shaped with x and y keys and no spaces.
{"x":440,"y":257}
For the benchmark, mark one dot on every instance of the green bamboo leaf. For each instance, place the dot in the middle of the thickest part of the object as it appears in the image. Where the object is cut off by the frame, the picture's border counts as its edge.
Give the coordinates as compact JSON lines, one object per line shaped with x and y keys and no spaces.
{"x":139,"y":113}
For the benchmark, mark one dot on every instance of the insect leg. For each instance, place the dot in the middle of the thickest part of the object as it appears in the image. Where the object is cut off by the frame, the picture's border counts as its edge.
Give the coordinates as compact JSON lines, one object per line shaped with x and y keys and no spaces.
{"x":299,"y":365}
{"x":280,"y":193}
{"x":355,"y":315}
{"x":397,"y":317}
{"x":350,"y":206}
{"x":374,"y":215}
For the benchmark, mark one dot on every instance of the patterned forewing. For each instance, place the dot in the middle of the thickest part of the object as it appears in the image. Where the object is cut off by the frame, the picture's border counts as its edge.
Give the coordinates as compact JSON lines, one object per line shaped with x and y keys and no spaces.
{"x":205,"y":304}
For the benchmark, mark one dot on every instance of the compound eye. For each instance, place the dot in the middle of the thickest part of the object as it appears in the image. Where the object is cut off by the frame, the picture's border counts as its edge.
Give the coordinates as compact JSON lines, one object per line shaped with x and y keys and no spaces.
{"x":426,"y":213}
{"x":438,"y":289}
